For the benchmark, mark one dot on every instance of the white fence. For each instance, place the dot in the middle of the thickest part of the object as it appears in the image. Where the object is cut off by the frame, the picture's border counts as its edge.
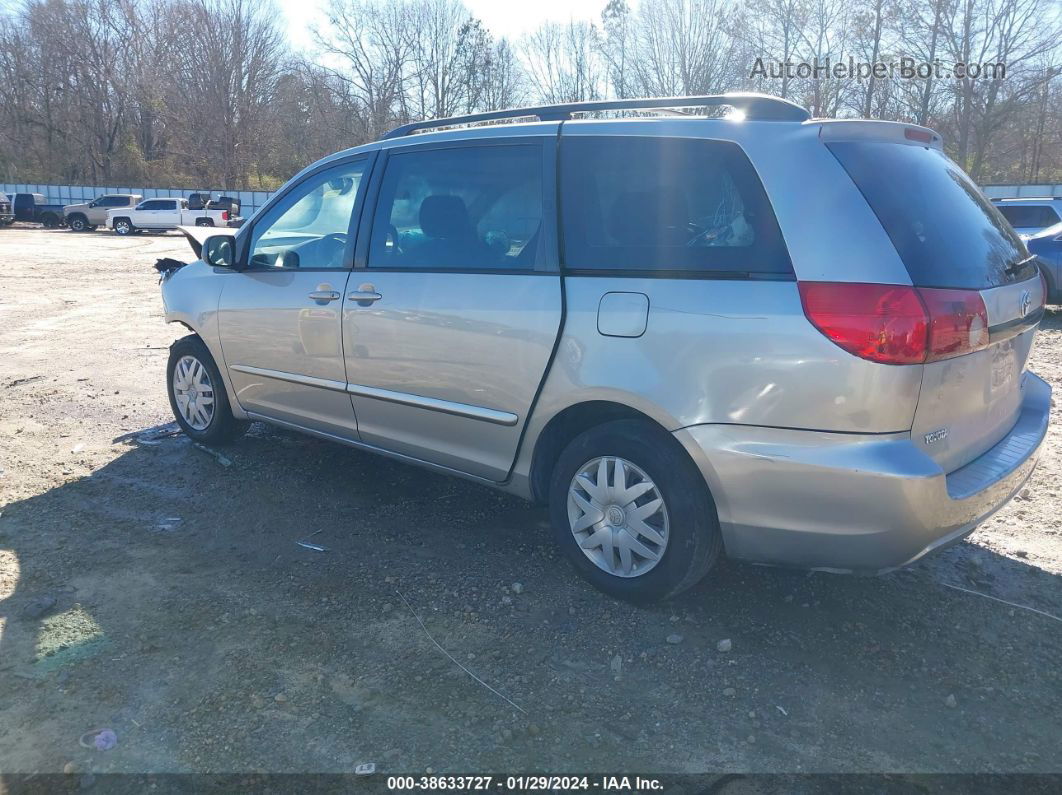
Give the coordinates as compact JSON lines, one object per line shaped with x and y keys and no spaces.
{"x":250,"y":201}
{"x":1021,"y":191}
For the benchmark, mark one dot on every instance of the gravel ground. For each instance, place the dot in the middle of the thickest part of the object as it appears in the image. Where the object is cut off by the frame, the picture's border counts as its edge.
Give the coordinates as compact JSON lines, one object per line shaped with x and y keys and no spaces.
{"x":157,"y":590}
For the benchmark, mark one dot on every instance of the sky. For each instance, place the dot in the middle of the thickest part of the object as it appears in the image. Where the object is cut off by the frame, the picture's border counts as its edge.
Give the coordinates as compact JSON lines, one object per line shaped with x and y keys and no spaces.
{"x":502,"y":17}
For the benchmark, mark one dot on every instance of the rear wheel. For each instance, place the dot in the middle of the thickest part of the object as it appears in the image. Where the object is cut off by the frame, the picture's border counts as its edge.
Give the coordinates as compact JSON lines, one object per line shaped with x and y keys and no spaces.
{"x":197,"y":394}
{"x":123,"y":226}
{"x":203,"y":222}
{"x":632,"y":512}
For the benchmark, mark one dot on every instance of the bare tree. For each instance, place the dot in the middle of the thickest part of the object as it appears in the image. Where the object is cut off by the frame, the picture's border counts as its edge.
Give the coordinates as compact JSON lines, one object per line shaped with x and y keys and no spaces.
{"x":683,"y":47}
{"x":372,"y":43}
{"x":617,"y":47}
{"x":191,"y":92}
{"x":561,"y":62}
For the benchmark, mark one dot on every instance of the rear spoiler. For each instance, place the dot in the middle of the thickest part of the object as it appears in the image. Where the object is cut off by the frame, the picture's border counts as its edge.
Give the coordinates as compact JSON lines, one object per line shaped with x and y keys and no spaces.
{"x":872,"y":130}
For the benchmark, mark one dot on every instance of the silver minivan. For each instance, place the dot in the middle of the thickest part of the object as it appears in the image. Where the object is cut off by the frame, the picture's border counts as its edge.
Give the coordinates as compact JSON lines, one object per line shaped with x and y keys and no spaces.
{"x":793,"y":341}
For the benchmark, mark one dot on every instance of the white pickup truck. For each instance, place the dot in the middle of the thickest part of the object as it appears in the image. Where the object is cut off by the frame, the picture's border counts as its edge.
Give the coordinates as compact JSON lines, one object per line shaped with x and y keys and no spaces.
{"x":161,"y":214}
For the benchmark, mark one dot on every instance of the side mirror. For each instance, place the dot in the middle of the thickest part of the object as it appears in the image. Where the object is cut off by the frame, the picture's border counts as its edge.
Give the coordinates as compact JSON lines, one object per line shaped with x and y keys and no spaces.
{"x":220,"y":251}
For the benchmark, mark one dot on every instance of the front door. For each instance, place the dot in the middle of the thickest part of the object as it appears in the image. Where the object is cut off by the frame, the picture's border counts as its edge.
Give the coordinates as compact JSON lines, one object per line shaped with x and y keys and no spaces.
{"x":168,"y":215}
{"x":448,"y":329}
{"x":280,"y":317}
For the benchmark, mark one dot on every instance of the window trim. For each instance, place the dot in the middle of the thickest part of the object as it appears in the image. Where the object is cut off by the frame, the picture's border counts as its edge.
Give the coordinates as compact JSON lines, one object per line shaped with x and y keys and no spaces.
{"x":546,"y":258}
{"x":246,"y":233}
{"x":681,"y":273}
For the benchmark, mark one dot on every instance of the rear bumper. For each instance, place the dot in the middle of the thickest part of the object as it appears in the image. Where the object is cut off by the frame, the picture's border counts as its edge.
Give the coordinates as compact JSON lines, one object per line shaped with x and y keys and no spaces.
{"x":856,"y":503}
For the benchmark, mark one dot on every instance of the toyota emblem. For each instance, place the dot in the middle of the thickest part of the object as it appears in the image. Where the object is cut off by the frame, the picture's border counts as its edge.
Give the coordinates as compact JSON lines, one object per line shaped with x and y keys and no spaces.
{"x":1024,"y":303}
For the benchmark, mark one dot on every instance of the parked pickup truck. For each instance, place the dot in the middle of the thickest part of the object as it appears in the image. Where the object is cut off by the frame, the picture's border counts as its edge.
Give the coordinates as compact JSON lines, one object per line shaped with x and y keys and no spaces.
{"x":87,"y":216}
{"x":161,"y":214}
{"x":7,"y":212}
{"x":34,"y":208}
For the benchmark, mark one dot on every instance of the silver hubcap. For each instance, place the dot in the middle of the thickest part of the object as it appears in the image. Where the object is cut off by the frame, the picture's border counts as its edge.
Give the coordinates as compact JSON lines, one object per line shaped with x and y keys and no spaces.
{"x":121,"y":227}
{"x":193,"y":392}
{"x":617,"y":516}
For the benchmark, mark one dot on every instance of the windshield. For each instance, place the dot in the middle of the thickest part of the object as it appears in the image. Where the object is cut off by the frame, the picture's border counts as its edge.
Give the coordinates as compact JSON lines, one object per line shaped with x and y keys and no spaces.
{"x":944,"y":229}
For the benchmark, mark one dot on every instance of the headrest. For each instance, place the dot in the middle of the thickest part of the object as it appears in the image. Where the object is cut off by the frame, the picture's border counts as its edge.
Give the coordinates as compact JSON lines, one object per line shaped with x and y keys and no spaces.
{"x":445,"y":217}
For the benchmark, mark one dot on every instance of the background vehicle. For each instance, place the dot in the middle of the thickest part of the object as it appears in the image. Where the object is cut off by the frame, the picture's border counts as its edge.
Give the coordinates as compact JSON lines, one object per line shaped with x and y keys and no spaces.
{"x":1047,"y":245}
{"x":87,"y":216}
{"x":34,"y":208}
{"x":162,"y":214}
{"x":7,"y":212}
{"x":202,"y":200}
{"x":1030,"y":216}
{"x":713,"y":359}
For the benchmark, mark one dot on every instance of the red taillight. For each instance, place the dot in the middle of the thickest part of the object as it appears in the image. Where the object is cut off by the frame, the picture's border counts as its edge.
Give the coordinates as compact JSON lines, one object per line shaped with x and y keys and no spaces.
{"x":896,"y":324}
{"x":958,"y":322}
{"x":913,"y":134}
{"x":880,"y":322}
{"x":224,"y":215}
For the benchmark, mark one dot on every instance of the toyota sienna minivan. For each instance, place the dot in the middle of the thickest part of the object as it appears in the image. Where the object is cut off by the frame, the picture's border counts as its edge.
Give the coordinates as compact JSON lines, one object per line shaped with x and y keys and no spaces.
{"x":793,"y":341}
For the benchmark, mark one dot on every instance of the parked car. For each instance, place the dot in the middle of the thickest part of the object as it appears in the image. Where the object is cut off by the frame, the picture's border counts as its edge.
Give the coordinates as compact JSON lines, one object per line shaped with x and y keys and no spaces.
{"x":1047,"y":245}
{"x":801,"y":342}
{"x":34,"y":208}
{"x":88,"y":216}
{"x":162,"y":214}
{"x":7,"y":212}
{"x":1031,"y":216}
{"x":203,"y":200}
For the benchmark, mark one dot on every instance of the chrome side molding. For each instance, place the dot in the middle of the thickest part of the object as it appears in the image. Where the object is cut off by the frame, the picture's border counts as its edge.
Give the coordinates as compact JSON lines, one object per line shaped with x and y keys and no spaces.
{"x":435,"y":404}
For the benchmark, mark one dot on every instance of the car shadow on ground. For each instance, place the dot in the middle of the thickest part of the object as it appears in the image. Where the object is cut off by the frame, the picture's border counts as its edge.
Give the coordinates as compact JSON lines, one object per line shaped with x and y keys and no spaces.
{"x":1052,"y":318}
{"x":167,"y":595}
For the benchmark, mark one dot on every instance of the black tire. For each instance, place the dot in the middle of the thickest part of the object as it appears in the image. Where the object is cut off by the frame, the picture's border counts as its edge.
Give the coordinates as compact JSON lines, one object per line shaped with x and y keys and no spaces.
{"x":123,"y":227}
{"x":694,"y":542}
{"x":78,"y":223}
{"x":203,"y":222}
{"x":223,"y":427}
{"x":1054,"y":296}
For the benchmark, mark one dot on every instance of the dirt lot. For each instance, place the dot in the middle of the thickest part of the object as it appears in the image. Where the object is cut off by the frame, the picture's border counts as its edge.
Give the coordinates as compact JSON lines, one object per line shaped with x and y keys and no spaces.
{"x":188,"y":620}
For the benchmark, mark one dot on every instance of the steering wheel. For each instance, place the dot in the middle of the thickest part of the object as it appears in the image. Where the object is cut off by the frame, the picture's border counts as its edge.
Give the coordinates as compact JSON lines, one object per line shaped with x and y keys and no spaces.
{"x":392,"y":232}
{"x":335,"y":254}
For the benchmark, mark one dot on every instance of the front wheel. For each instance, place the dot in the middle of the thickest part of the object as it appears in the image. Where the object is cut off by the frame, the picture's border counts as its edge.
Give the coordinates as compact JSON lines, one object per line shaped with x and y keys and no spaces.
{"x":632,"y":512}
{"x":78,"y":223}
{"x":197,"y":394}
{"x":123,"y":227}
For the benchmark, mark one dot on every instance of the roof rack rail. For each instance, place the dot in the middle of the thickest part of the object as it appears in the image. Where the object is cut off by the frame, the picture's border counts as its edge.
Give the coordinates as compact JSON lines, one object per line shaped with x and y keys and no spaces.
{"x":756,"y":107}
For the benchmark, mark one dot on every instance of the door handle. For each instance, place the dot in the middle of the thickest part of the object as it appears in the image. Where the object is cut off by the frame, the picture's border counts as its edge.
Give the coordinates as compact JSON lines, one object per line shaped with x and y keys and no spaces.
{"x":365,"y":295}
{"x":324,"y":296}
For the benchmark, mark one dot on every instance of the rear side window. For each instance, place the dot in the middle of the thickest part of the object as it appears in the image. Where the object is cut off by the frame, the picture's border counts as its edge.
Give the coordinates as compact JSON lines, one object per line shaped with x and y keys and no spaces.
{"x":944,"y":229}
{"x":666,"y":205}
{"x":1026,"y":216}
{"x":461,"y":208}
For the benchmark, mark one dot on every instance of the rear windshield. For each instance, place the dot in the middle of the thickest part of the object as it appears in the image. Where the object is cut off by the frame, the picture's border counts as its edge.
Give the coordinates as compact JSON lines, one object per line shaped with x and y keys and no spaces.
{"x":944,"y":229}
{"x":1024,"y":215}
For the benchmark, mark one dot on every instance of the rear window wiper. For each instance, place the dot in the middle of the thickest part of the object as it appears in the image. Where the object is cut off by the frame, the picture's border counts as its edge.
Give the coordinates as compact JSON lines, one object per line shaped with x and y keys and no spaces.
{"x":1012,"y":269}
